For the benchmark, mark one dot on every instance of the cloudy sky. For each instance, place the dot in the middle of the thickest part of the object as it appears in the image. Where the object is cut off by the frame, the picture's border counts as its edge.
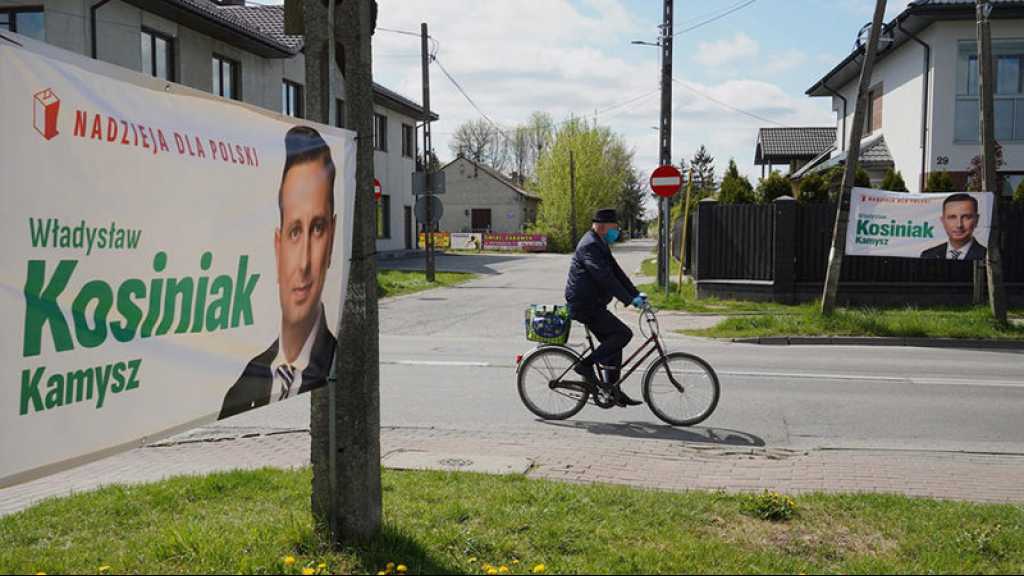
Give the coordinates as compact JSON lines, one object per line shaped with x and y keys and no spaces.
{"x":574,"y":57}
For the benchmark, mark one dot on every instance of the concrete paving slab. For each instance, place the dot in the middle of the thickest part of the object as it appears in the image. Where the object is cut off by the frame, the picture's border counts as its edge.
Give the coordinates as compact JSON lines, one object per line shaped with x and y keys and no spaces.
{"x":455,"y":462}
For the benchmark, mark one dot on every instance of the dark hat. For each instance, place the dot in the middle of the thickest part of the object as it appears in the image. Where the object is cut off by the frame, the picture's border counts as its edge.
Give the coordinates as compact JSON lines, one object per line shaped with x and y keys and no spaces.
{"x":606,"y":216}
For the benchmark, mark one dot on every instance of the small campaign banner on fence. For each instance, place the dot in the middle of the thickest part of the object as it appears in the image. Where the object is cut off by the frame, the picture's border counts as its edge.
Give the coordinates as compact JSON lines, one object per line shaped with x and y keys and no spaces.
{"x":467,"y":241}
{"x":952,"y":226}
{"x":442,"y":240}
{"x":169,"y":257}
{"x":515,"y":241}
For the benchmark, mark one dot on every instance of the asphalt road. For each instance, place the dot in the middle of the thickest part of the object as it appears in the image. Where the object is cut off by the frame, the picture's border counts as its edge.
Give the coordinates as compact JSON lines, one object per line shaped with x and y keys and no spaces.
{"x":447,"y":359}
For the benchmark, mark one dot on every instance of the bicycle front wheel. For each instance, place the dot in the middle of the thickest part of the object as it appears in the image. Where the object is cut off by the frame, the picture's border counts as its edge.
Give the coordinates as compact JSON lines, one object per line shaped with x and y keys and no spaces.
{"x":681,"y":389}
{"x":545,"y":381}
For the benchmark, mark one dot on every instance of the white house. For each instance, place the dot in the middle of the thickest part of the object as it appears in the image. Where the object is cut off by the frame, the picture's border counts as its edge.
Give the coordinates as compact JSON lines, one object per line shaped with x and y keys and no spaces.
{"x":923,"y":107}
{"x":480,"y":199}
{"x":234,"y":50}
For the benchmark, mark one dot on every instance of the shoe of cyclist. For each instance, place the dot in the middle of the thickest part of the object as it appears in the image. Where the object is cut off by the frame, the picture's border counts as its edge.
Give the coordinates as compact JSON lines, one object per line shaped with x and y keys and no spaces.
{"x":623,"y":399}
{"x":588,"y":374}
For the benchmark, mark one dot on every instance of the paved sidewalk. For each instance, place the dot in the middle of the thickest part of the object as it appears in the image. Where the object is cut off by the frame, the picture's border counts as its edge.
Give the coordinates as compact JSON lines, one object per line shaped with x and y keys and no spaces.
{"x":645,"y":456}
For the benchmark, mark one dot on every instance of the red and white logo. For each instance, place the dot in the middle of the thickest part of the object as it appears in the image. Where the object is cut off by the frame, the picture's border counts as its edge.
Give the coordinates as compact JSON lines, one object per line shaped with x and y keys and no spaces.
{"x":46,"y":107}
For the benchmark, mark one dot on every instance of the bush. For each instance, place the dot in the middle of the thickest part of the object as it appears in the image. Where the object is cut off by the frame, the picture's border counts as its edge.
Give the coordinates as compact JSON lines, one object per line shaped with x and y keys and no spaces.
{"x":770,"y":506}
{"x":772,"y":187}
{"x":939,"y":182}
{"x":824,"y":186}
{"x":1018,"y":194}
{"x":893,"y":181}
{"x":813,"y":189}
{"x":735,"y":189}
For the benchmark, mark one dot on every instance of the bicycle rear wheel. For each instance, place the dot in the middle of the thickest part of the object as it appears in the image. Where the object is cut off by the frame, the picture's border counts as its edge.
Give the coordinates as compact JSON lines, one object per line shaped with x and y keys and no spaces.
{"x":681,"y":389}
{"x":542,"y":387}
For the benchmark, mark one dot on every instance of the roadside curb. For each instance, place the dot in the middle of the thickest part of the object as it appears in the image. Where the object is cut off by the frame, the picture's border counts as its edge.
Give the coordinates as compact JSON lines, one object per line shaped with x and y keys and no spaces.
{"x":882,"y":341}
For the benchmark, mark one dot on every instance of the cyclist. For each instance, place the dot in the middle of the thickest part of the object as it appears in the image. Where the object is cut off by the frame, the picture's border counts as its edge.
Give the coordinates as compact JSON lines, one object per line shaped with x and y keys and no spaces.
{"x":594,"y":279}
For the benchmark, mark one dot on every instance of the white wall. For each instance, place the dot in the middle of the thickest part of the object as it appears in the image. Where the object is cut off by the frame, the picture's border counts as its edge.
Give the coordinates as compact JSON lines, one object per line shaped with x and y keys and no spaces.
{"x":395,"y":174}
{"x":901,"y":74}
{"x":944,"y":38}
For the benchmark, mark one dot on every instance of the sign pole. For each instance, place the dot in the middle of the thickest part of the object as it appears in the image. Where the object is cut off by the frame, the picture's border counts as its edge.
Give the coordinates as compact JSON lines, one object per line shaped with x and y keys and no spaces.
{"x":993,"y":257}
{"x":428,"y":226}
{"x":835,"y":258}
{"x":665,"y":138}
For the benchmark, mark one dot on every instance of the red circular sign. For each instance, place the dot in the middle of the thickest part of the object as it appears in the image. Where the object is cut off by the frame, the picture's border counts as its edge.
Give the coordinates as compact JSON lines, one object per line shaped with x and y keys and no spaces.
{"x":377,"y":190}
{"x":666,"y":180}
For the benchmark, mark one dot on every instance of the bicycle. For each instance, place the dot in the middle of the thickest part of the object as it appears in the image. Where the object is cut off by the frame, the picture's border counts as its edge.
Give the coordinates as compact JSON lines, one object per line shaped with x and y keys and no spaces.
{"x":679,"y":388}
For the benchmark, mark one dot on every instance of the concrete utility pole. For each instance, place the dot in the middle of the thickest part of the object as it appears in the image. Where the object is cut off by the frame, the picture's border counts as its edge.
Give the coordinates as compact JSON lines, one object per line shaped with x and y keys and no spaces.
{"x":345,"y":416}
{"x":993,"y":258}
{"x":428,"y":226}
{"x":835,"y":258}
{"x":665,"y":138}
{"x":572,"y":196}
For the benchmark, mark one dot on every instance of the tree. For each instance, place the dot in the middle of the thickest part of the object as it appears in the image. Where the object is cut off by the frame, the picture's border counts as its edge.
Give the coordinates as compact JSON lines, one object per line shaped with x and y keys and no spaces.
{"x":772,"y":187}
{"x":1018,"y":194}
{"x":939,"y":182}
{"x":481,"y":142}
{"x":735,"y":189}
{"x":631,"y":201}
{"x":814,"y":189}
{"x":893,"y":181}
{"x":976,"y":169}
{"x":602,"y":170}
{"x":703,"y":165}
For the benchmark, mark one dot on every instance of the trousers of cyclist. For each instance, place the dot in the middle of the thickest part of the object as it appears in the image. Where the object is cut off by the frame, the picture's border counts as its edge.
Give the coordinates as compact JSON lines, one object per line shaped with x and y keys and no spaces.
{"x":594,"y":279}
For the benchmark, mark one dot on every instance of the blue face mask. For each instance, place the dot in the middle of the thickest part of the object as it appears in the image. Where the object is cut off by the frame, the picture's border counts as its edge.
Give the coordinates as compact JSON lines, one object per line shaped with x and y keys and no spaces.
{"x":611,"y":236}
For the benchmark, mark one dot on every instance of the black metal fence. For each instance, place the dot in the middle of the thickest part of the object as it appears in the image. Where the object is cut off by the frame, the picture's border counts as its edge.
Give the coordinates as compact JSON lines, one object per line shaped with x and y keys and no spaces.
{"x":780,"y":251}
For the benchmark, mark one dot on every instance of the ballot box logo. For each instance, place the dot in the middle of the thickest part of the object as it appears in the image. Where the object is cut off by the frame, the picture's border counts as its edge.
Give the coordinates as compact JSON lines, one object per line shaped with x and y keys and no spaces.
{"x":46,"y":108}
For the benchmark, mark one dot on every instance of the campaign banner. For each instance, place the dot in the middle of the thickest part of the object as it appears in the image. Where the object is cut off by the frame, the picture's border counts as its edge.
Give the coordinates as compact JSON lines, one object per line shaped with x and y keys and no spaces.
{"x":515,"y":241}
{"x":169,"y":257}
{"x":442,"y":240}
{"x":953,"y":226}
{"x":467,"y":240}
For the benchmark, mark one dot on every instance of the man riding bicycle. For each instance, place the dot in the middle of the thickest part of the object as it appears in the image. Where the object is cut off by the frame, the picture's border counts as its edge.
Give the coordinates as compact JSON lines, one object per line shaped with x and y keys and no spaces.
{"x":594,"y":279}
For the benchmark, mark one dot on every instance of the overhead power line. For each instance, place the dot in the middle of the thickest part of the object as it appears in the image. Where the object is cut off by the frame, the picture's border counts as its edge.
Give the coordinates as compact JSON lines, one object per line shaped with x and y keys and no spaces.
{"x":715,"y":18}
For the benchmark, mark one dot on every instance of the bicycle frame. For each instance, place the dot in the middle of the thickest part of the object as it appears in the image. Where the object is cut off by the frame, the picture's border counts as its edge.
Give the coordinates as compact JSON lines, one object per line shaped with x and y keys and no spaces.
{"x":650,"y":346}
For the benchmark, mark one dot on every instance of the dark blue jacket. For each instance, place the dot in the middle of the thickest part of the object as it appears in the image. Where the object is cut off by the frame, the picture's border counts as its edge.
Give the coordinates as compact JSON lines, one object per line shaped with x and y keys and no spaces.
{"x":595,"y":278}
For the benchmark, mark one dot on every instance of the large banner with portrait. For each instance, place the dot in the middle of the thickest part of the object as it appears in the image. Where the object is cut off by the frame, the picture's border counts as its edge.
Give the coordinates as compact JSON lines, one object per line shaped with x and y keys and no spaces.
{"x":952,"y":226}
{"x":168,"y":257}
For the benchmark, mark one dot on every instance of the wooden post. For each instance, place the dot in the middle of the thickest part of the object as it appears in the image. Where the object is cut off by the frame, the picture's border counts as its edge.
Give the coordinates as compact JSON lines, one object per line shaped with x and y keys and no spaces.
{"x":835,"y":258}
{"x":993,"y":257}
{"x":685,"y":229}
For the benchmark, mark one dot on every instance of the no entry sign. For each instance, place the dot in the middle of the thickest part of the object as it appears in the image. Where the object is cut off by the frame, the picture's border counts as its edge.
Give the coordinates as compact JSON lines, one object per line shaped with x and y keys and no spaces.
{"x":377,"y":190}
{"x":666,"y":180}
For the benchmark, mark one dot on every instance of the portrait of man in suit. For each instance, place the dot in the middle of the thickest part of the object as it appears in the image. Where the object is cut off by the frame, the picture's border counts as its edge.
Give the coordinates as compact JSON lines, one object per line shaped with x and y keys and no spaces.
{"x":300,"y":359}
{"x":959,"y":218}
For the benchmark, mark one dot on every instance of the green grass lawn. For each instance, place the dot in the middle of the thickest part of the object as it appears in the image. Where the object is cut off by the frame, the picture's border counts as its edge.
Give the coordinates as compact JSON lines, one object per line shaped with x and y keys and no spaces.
{"x":649,"y":267}
{"x":399,"y":282}
{"x":251,"y":522}
{"x":687,"y":301}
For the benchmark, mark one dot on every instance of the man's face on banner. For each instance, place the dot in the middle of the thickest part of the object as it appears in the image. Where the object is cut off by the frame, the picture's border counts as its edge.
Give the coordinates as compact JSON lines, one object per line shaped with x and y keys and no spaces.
{"x":960,"y":219}
{"x":304,"y":242}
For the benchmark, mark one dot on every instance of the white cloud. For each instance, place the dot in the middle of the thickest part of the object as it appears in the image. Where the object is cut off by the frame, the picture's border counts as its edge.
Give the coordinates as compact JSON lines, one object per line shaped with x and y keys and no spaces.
{"x":725,"y":51}
{"x":783,"y":62}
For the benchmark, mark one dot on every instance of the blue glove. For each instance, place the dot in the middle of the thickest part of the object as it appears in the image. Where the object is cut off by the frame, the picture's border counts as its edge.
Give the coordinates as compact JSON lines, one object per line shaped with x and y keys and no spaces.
{"x":640,"y":301}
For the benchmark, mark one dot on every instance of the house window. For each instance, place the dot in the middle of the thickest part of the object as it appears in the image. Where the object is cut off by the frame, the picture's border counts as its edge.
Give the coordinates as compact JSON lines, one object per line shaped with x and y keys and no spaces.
{"x":227,"y":78}
{"x":339,"y":113}
{"x":25,"y":21}
{"x":408,"y":140}
{"x":158,"y":55}
{"x":384,"y":217}
{"x":875,"y":109}
{"x":1008,"y":57}
{"x":291,"y":99}
{"x":380,"y":132}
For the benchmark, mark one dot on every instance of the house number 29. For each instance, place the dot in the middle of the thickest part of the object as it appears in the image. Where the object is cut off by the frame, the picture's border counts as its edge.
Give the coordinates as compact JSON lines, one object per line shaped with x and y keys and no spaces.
{"x":942,"y":160}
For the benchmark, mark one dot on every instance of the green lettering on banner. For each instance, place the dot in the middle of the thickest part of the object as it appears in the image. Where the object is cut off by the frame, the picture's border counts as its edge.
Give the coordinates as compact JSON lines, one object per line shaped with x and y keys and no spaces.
{"x":41,"y":306}
{"x":77,"y":386}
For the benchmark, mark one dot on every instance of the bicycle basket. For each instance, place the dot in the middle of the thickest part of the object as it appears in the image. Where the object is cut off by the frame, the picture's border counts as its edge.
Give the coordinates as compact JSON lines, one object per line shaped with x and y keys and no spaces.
{"x":548,"y":324}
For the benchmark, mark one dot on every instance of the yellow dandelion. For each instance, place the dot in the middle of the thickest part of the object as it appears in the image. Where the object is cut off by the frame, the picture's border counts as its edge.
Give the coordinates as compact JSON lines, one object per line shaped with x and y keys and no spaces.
{"x":288,"y":560}
{"x":382,"y":573}
{"x":103,"y":569}
{"x":539,"y":569}
{"x":322,"y":565}
{"x":40,"y":573}
{"x":401,"y":569}
{"x":307,"y":571}
{"x":486,"y":567}
{"x":492,"y":571}
{"x":503,"y":570}
{"x":472,"y":559}
{"x":514,"y":561}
